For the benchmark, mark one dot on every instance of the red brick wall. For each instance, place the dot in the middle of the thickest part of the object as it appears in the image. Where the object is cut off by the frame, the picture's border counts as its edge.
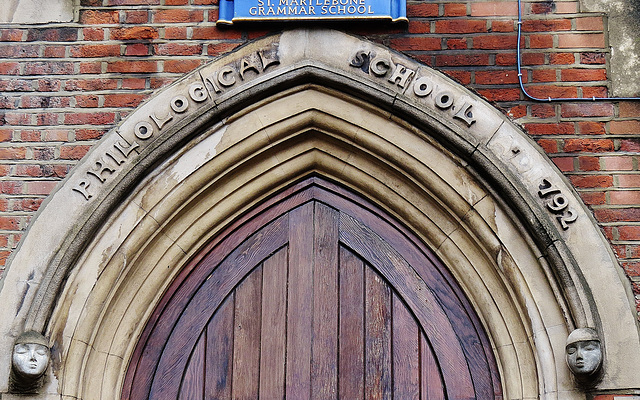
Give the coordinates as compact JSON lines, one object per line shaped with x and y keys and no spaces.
{"x":63,"y":85}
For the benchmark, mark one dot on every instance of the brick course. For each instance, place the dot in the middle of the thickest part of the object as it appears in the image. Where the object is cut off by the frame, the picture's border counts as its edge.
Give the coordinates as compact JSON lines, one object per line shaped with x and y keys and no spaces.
{"x":63,"y":85}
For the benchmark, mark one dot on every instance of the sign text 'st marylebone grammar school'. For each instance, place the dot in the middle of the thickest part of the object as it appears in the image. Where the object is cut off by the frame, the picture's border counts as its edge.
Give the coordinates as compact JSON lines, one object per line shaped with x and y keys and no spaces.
{"x":277,"y":10}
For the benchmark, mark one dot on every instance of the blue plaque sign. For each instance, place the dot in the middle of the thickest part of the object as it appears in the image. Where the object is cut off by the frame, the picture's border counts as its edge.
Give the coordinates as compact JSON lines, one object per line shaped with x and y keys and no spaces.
{"x":278,"y":10}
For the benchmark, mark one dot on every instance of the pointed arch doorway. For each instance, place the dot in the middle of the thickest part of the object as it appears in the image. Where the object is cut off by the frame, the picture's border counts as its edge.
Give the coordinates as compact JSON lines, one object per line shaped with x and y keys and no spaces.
{"x":315,"y":294}
{"x":194,"y":160}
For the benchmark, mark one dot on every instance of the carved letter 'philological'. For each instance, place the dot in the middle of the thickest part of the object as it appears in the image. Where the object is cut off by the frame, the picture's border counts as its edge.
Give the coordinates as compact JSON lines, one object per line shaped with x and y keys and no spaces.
{"x":219,"y":80}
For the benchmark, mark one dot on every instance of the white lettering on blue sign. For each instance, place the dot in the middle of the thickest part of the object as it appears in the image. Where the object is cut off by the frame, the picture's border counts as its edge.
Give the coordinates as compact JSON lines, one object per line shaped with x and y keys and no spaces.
{"x":231,"y":11}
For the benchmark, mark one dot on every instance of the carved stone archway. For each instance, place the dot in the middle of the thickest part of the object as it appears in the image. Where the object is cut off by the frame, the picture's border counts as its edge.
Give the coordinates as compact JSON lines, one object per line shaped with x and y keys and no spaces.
{"x":445,"y":164}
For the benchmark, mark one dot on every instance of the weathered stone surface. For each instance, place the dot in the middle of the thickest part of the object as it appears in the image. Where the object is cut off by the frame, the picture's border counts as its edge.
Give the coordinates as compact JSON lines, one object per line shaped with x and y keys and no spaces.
{"x":189,"y":161}
{"x":623,"y":18}
{"x":33,"y":12}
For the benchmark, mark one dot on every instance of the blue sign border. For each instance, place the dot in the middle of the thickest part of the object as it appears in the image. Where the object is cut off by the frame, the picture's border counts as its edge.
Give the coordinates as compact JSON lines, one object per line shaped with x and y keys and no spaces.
{"x":231,"y":11}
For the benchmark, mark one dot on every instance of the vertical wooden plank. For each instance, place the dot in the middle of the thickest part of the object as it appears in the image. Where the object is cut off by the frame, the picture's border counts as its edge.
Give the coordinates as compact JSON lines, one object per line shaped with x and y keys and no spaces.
{"x":378,"y":376}
{"x":219,"y":352}
{"x":324,"y":358}
{"x":274,"y":326}
{"x":246,"y":348}
{"x":300,"y":303}
{"x":351,"y":362}
{"x":406,"y":363}
{"x":192,"y":386}
{"x":428,"y":310}
{"x":430,"y":380}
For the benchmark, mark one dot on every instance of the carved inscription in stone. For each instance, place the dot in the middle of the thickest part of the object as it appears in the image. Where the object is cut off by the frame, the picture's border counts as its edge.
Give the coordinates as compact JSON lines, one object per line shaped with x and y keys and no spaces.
{"x":405,"y":78}
{"x":557,"y":203}
{"x":246,"y":68}
{"x":105,"y":166}
{"x":123,"y":151}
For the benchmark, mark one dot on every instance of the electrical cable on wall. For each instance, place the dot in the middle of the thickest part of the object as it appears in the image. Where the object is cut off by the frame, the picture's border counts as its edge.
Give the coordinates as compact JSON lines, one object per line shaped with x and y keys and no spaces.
{"x":550,"y":99}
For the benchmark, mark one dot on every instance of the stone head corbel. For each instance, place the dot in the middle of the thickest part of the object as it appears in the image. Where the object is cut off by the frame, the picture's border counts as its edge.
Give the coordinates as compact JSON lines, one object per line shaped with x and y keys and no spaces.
{"x":29,"y":362}
{"x":584,"y":355}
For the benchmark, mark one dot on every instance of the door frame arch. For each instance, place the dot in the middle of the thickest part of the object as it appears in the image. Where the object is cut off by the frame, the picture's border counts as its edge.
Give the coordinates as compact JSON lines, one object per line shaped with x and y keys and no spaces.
{"x":216,"y":142}
{"x":349,"y":223}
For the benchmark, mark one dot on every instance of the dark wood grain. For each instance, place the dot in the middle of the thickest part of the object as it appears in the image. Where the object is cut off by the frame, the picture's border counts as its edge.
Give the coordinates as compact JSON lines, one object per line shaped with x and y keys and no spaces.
{"x":352,"y":316}
{"x":246,"y":342}
{"x":474,"y":343}
{"x":274,"y":325}
{"x":430,"y":379}
{"x":324,"y":358}
{"x":313,"y":324}
{"x":405,"y":345}
{"x":194,"y":376}
{"x":300,"y":301}
{"x":219,"y":353}
{"x":207,"y":299}
{"x":378,"y":361}
{"x":413,"y":290}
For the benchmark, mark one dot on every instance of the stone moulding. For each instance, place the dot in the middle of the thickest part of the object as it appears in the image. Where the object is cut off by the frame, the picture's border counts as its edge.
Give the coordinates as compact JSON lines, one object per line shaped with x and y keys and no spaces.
{"x":254,"y":121}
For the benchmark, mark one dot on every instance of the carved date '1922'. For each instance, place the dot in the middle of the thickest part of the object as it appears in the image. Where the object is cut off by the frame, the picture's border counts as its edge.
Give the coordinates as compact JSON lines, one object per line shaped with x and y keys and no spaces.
{"x":557,"y":203}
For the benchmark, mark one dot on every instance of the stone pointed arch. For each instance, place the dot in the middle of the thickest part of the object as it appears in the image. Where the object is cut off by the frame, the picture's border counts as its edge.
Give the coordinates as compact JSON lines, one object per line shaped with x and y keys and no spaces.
{"x":201,"y":153}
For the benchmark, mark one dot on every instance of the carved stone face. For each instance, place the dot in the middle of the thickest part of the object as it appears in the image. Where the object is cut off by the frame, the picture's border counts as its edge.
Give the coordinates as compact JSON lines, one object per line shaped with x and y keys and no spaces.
{"x":584,"y":357}
{"x":30,"y":360}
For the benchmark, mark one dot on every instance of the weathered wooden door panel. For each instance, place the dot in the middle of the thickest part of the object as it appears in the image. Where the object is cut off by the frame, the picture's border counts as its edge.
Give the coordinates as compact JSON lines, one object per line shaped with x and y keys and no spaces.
{"x":314,"y":303}
{"x":273,"y":342}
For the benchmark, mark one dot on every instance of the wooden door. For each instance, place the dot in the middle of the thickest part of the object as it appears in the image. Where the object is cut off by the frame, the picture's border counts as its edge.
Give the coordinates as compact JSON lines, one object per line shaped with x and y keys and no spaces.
{"x":315,"y":295}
